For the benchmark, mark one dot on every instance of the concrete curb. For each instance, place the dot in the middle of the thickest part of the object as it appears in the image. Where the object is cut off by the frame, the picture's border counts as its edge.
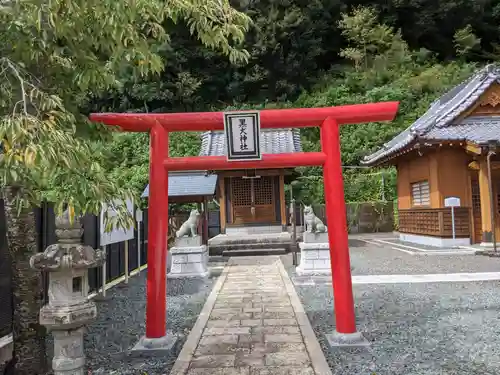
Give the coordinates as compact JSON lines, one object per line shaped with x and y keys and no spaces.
{"x":182,"y":362}
{"x":318,"y":360}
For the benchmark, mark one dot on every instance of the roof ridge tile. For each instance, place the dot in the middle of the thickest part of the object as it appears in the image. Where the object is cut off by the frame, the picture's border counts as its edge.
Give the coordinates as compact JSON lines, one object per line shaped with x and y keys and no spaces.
{"x":274,"y":141}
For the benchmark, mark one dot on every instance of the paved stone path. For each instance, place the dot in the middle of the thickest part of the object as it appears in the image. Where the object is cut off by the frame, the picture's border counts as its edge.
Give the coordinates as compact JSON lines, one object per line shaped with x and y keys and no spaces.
{"x":252,"y":324}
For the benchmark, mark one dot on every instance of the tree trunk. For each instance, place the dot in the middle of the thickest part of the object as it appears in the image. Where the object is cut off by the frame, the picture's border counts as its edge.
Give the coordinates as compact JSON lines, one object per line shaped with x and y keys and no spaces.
{"x":27,"y":285}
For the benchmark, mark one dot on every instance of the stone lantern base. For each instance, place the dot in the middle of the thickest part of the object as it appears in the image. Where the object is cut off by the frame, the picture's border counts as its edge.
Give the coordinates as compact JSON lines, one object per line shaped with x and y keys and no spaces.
{"x":69,"y":357}
{"x":314,"y":255}
{"x":189,"y":258}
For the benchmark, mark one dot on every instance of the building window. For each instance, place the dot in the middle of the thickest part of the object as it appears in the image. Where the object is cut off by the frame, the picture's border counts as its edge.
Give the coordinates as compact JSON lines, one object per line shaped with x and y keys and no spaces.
{"x":420,"y":194}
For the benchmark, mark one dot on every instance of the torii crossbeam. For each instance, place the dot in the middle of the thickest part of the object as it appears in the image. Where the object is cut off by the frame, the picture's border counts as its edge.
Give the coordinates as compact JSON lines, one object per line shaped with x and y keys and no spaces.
{"x":328,"y":119}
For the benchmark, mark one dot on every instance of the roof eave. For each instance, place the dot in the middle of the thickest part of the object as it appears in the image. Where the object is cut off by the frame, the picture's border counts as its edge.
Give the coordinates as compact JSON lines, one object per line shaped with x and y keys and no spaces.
{"x":424,"y":143}
{"x":391,"y":157}
{"x":380,"y":162}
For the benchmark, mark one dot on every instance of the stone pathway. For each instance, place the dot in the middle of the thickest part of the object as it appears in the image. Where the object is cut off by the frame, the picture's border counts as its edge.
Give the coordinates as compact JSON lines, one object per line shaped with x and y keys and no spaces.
{"x":253,"y":323}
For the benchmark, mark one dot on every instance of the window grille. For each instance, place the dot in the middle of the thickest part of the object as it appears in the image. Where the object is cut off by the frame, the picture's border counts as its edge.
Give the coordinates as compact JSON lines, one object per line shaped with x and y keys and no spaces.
{"x":420,"y":193}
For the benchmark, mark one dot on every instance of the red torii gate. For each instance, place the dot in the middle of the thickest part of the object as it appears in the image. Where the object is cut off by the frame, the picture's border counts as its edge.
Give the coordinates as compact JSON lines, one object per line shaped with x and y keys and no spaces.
{"x":329,"y":119}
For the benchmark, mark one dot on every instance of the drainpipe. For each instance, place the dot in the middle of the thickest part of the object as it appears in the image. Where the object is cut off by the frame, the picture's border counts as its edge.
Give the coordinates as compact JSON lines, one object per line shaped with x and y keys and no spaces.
{"x":492,"y":202}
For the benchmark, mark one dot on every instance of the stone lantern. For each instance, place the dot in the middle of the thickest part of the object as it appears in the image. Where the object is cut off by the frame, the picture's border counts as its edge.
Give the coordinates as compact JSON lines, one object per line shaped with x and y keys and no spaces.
{"x":68,"y":310}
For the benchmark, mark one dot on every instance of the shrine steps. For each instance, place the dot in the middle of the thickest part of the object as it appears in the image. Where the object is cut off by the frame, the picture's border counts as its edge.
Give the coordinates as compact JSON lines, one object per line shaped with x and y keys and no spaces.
{"x":249,"y":252}
{"x":250,"y":244}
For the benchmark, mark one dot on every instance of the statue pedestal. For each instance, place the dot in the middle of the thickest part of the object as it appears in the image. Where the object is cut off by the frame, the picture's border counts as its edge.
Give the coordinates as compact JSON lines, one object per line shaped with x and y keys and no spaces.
{"x":314,"y":255}
{"x":189,"y":258}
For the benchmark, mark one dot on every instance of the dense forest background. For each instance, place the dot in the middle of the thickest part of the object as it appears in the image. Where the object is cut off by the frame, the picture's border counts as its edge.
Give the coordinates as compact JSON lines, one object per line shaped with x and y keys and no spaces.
{"x":308,"y":54}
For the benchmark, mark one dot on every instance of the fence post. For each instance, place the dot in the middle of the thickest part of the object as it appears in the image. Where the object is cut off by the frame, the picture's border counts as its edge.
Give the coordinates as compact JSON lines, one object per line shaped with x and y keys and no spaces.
{"x":104,"y":263}
{"x":138,"y":219}
{"x":294,"y":231}
{"x":301,"y":216}
{"x":205,"y":220}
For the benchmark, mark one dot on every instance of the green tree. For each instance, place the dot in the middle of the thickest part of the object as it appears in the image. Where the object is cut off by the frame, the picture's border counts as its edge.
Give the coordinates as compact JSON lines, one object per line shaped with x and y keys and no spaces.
{"x":290,"y":43}
{"x":432,"y":24}
{"x":385,"y":69}
{"x":54,"y":54}
{"x":127,"y":156}
{"x":466,"y":41}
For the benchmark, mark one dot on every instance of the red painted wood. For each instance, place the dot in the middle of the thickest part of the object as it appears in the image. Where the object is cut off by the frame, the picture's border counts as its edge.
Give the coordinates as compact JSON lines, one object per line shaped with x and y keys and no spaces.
{"x":270,"y":118}
{"x":337,"y":228}
{"x":219,"y":163}
{"x":156,"y":303}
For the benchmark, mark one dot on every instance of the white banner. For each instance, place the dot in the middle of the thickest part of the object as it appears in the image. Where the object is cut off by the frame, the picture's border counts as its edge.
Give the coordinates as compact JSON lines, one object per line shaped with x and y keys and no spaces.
{"x":117,"y":234}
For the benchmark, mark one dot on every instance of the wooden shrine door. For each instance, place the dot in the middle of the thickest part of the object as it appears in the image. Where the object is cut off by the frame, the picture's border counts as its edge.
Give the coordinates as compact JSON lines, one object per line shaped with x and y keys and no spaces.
{"x":253,"y":200}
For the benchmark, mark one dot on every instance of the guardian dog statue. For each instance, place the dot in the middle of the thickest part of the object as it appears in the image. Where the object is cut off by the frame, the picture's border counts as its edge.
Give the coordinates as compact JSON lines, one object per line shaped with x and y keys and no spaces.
{"x":190,"y":226}
{"x":313,"y":224}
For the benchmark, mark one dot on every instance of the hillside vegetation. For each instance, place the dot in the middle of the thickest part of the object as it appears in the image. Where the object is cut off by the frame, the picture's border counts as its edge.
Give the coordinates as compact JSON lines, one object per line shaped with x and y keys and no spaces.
{"x":312,"y":56}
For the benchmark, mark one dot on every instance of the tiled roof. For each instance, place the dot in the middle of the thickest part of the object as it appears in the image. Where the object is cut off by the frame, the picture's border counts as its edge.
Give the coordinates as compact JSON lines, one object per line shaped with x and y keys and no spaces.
{"x":438,"y":123}
{"x":479,"y":130}
{"x":272,"y":141}
{"x":189,"y":184}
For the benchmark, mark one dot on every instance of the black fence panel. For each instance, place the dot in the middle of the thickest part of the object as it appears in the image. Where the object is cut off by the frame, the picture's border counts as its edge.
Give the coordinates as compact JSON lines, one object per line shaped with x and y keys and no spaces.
{"x":121,"y":258}
{"x":95,"y":279}
{"x":132,"y":254}
{"x":299,"y":217}
{"x":5,"y":279}
{"x":45,"y":221}
{"x":91,"y":231}
{"x":91,"y":238}
{"x":113,"y":270}
{"x":45,"y":225}
{"x":213,"y":223}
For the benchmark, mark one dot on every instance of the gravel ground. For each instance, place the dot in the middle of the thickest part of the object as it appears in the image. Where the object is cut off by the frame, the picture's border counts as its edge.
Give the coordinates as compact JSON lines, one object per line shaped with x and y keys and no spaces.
{"x":367,"y":259}
{"x":121,"y":323}
{"x":415,"y":329}
{"x":356,"y":240}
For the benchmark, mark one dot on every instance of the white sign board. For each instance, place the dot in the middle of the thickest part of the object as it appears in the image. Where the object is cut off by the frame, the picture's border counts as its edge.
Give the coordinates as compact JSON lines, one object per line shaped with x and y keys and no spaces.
{"x":452,"y":202}
{"x":138,"y":215}
{"x":242,"y":130}
{"x":117,"y":234}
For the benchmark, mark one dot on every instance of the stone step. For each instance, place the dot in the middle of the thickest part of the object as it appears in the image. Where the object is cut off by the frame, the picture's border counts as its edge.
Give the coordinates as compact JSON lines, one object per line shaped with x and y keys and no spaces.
{"x":255,"y":251}
{"x":221,"y":249}
{"x":249,"y":239}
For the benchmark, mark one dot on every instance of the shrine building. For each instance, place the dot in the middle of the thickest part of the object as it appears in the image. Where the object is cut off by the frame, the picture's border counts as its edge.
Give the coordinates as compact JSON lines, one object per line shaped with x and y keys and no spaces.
{"x":444,"y":159}
{"x":253,"y":201}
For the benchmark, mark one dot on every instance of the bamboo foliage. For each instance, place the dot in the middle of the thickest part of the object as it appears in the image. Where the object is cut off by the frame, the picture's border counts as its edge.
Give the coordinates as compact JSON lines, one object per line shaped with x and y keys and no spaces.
{"x":54,"y":56}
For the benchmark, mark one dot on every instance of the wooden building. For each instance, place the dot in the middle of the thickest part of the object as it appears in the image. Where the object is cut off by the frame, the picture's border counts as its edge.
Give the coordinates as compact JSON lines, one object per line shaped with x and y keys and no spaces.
{"x":444,"y":154}
{"x":253,"y":201}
